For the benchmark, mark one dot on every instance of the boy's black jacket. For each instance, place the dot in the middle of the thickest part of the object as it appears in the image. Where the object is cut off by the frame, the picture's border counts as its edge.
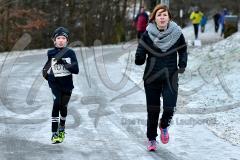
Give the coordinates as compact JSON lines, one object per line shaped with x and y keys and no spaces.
{"x":64,"y":83}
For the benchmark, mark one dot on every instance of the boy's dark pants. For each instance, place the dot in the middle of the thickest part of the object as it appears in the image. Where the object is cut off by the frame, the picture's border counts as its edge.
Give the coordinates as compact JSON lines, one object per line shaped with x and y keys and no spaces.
{"x":60,"y":102}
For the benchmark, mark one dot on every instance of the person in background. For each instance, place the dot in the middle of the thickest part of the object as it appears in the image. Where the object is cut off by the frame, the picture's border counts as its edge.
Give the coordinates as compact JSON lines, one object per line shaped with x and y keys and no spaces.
{"x":196,"y":17}
{"x":222,"y":19}
{"x":141,"y":22}
{"x":203,"y":23}
{"x":216,"y":19}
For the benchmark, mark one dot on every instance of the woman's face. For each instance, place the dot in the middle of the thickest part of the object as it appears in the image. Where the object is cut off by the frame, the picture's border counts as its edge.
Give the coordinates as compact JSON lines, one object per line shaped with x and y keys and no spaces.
{"x":162,"y":19}
{"x":60,"y":42}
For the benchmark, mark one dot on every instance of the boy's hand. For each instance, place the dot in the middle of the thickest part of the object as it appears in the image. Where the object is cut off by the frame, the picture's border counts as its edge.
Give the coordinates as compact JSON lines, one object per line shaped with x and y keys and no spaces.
{"x":61,"y":61}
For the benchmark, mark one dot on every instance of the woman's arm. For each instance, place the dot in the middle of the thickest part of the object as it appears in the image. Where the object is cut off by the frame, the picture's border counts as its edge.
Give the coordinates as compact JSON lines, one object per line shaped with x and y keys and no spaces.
{"x":182,"y":52}
{"x":140,"y":55}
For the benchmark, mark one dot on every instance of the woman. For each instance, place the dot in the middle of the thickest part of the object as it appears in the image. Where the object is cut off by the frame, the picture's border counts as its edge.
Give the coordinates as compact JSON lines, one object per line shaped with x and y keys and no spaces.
{"x":160,"y":44}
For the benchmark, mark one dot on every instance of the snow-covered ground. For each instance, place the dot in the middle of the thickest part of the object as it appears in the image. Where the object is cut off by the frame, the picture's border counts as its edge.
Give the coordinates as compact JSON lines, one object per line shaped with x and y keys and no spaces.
{"x":107,"y":119}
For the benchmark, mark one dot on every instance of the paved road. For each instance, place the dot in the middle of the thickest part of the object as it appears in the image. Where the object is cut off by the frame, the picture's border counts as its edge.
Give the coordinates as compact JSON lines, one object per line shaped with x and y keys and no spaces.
{"x":96,"y":127}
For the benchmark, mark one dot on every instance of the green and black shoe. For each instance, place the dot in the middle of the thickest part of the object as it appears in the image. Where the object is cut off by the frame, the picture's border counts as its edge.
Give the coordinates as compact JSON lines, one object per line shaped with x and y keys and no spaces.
{"x":61,"y":136}
{"x":61,"y":133}
{"x":55,"y":138}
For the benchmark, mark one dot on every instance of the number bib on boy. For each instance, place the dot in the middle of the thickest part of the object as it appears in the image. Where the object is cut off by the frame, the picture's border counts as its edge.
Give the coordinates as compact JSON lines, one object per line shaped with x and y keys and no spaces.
{"x":58,"y":69}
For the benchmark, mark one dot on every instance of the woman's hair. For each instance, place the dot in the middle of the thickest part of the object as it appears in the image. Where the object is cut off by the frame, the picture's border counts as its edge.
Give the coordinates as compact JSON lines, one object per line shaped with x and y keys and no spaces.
{"x":158,"y":7}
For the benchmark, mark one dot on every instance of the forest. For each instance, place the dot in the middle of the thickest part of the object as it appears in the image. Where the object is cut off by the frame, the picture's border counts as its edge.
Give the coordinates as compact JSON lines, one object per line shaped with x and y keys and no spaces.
{"x":110,"y":21}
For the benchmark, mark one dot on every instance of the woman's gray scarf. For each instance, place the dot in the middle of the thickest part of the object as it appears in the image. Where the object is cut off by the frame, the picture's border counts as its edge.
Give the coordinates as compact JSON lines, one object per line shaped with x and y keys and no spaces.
{"x":164,"y":39}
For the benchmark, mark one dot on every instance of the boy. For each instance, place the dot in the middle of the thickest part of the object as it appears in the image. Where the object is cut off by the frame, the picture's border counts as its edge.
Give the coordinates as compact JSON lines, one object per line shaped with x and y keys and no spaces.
{"x":58,"y":70}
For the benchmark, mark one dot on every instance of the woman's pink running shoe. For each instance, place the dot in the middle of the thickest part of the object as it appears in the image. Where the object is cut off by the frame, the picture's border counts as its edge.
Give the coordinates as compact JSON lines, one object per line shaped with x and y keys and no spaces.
{"x":164,"y":135}
{"x":152,"y":145}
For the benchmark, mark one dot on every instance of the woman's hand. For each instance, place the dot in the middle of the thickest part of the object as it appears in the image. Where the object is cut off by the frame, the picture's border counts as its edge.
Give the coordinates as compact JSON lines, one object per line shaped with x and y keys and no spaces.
{"x":181,"y":70}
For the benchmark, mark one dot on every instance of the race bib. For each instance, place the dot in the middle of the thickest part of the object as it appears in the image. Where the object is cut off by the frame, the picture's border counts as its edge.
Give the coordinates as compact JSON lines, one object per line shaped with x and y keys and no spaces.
{"x":58,"y":69}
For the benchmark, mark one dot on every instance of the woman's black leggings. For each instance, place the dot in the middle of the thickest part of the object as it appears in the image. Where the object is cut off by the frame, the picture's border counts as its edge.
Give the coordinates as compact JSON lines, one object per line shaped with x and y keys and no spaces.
{"x":168,"y":89}
{"x":60,"y":102}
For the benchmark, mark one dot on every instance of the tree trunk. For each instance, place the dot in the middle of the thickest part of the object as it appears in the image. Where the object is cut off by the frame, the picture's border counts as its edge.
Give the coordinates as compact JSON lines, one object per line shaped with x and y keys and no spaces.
{"x":6,"y":29}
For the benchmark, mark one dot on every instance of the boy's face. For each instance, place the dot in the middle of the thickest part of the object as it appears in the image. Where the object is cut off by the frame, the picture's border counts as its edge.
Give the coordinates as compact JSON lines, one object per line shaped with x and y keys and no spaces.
{"x":60,"y":41}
